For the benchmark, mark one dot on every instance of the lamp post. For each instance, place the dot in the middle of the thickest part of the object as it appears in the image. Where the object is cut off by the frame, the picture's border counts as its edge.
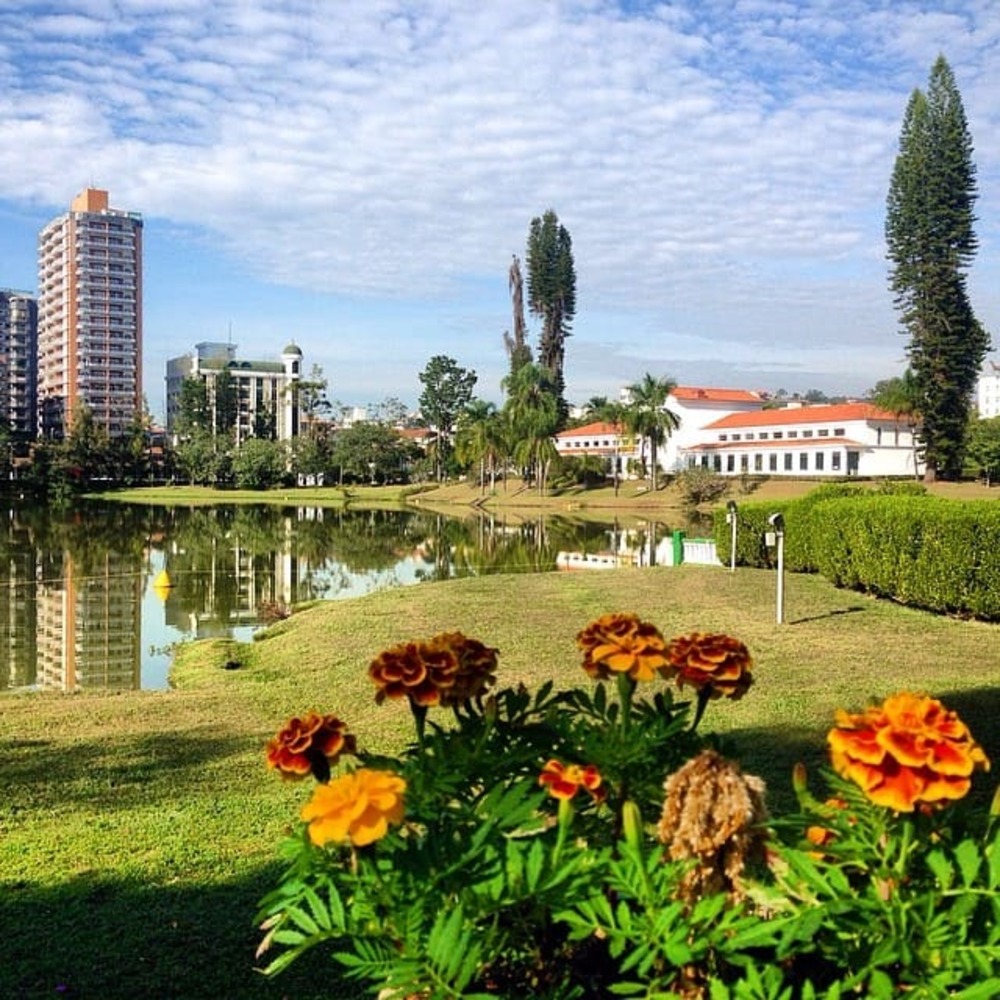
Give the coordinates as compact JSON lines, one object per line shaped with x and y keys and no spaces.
{"x":731,"y":519}
{"x":777,"y":522}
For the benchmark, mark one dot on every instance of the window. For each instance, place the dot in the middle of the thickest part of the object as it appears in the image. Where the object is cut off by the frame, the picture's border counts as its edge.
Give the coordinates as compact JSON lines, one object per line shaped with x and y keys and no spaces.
{"x":730,"y":463}
{"x":793,"y":434}
{"x":778,"y":435}
{"x":878,"y":435}
{"x":788,"y":461}
{"x":839,"y":432}
{"x":750,"y":437}
{"x":723,"y":437}
{"x":736,"y":437}
{"x":744,"y":463}
{"x":835,"y":461}
{"x":803,"y":461}
{"x":772,"y":462}
{"x":823,"y":433}
{"x":758,"y":462}
{"x":717,"y":463}
{"x":807,"y":434}
{"x":819,"y":461}
{"x":762,"y":436}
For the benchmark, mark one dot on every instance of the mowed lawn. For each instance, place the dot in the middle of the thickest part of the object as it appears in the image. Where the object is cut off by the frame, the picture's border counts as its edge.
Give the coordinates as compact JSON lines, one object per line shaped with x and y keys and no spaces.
{"x":138,"y":830}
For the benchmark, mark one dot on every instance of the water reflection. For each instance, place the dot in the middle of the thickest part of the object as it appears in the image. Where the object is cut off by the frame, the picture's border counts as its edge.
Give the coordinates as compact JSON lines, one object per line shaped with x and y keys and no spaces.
{"x":97,"y":597}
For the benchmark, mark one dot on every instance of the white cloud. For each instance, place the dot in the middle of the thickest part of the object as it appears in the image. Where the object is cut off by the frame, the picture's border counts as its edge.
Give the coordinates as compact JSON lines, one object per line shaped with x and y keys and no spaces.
{"x":721,"y":167}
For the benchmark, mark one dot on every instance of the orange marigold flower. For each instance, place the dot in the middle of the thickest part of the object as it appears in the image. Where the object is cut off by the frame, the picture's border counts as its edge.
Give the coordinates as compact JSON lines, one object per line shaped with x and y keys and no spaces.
{"x":909,"y":751}
{"x":619,"y":643}
{"x":822,"y":835}
{"x":477,"y":664}
{"x":357,"y":807}
{"x":309,"y":745}
{"x":564,"y":780}
{"x":420,"y":671}
{"x":712,"y":662}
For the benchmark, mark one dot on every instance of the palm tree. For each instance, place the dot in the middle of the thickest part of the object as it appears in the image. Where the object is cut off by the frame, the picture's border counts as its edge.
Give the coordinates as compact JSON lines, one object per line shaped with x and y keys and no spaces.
{"x":532,"y":413}
{"x":479,"y":439}
{"x":647,"y":415}
{"x":611,"y":412}
{"x":901,"y":398}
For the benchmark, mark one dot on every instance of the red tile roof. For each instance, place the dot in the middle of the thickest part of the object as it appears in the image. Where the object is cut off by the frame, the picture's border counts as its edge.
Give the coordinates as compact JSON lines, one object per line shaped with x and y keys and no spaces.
{"x":804,"y":415}
{"x":590,"y":430}
{"x":694,"y":393}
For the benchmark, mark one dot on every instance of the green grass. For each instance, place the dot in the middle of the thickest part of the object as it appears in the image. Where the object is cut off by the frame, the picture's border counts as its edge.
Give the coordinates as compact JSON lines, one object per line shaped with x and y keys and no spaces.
{"x":138,"y":830}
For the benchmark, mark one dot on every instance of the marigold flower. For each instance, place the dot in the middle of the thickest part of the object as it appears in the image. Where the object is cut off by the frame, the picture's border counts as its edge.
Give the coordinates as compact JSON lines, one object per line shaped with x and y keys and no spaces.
{"x":910,"y":751}
{"x":309,"y":745}
{"x":564,"y":780}
{"x":477,"y":664}
{"x":357,"y":807}
{"x":822,"y":835}
{"x":420,"y":671}
{"x":712,"y":662}
{"x":619,"y":643}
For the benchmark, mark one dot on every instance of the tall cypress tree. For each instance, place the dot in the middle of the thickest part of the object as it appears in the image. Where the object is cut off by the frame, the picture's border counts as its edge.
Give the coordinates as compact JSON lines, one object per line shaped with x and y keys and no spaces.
{"x":931,"y":242}
{"x":551,"y":289}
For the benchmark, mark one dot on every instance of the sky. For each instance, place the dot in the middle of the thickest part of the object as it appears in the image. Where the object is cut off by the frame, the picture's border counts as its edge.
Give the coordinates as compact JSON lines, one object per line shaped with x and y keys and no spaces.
{"x":355,"y":176}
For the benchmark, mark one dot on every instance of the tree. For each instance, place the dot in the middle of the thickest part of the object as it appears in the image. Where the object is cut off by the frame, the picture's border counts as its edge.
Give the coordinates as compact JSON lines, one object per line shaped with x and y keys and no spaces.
{"x":479,"y":439}
{"x":518,"y":351}
{"x":647,"y":416}
{"x":447,"y":391}
{"x":226,"y":404}
{"x":312,"y":398}
{"x":371,"y":452}
{"x":551,"y":291}
{"x":983,"y":449}
{"x":532,"y":415}
{"x":193,"y":410}
{"x":931,"y":242}
{"x":612,"y":412}
{"x":259,"y":464}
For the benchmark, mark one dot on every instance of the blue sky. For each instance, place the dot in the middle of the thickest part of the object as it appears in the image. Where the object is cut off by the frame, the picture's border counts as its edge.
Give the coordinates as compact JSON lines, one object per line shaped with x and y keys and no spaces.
{"x":356,"y":175}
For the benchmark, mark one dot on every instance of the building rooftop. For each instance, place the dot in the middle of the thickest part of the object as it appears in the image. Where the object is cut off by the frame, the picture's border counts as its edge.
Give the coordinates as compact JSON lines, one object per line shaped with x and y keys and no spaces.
{"x":804,"y":415}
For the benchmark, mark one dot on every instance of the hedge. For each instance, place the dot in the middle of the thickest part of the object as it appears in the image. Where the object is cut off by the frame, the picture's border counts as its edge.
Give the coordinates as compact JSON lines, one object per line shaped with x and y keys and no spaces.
{"x":940,"y":555}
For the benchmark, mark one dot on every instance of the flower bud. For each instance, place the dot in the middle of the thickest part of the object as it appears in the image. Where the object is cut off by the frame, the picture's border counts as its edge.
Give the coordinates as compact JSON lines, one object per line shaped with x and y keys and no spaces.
{"x":632,"y":824}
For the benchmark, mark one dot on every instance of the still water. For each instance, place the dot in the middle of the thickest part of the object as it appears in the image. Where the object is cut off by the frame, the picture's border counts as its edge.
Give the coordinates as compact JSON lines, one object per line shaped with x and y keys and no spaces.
{"x":97,"y":597}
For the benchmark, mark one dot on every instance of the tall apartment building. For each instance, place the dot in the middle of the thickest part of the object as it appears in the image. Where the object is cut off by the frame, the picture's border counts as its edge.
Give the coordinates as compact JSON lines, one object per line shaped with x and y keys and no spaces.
{"x":264,"y":398}
{"x":90,"y":316}
{"x":18,"y":366}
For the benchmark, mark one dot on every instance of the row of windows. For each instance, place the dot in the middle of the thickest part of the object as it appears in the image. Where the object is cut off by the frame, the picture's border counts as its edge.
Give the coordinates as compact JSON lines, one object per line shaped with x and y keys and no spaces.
{"x":786,"y":462}
{"x":778,"y":435}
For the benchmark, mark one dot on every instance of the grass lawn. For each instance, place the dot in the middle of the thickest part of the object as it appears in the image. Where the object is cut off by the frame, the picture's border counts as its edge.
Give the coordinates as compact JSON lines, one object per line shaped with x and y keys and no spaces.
{"x":138,"y":830}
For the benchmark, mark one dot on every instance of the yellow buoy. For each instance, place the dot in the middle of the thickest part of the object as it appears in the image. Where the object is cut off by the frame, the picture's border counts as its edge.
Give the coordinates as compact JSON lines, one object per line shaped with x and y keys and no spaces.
{"x":162,"y":585}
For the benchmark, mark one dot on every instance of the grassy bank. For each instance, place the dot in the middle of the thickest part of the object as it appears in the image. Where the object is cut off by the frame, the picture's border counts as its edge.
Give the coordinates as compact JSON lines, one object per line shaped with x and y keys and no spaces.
{"x":137,"y":830}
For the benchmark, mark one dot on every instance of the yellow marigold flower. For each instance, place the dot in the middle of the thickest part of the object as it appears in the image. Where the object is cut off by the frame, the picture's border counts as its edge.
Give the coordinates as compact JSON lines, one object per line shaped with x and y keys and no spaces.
{"x":420,"y":671}
{"x":619,"y":643}
{"x":564,"y":780}
{"x":712,"y":662}
{"x":309,"y":745}
{"x":358,"y":807}
{"x":906,"y":752}
{"x":477,"y":664}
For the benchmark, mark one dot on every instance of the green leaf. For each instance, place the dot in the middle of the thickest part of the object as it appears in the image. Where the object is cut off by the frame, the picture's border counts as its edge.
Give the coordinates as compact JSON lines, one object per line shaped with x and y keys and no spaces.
{"x":969,"y":858}
{"x":942,"y":869}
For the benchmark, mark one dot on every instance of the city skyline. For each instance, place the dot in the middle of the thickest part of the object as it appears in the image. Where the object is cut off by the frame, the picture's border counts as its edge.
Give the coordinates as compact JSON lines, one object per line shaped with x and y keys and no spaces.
{"x":358,"y":185}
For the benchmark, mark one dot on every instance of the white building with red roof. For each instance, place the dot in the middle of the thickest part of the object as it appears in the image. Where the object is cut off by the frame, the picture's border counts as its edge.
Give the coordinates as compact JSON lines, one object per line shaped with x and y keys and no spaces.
{"x":840,"y":439}
{"x":730,"y":432}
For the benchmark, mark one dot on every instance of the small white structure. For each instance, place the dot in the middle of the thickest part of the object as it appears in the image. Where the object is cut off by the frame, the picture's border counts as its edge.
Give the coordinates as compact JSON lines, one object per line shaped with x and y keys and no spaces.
{"x":842,"y":439}
{"x":988,"y":391}
{"x":697,"y":407}
{"x":605,"y":440}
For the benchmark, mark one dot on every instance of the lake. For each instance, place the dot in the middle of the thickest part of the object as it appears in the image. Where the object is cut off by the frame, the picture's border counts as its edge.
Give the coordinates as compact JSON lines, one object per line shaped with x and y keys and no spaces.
{"x":98,"y":596}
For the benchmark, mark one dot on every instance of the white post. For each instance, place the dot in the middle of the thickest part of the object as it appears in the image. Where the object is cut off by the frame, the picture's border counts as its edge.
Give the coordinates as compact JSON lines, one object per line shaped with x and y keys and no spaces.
{"x":777,"y":522}
{"x":731,"y":518}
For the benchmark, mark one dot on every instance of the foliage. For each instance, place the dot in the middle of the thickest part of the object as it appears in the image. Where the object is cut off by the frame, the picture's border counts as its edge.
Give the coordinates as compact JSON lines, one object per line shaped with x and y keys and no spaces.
{"x":512,"y":852}
{"x":698,"y":485}
{"x":931,"y":242}
{"x":259,"y":464}
{"x":927,"y":552}
{"x":447,"y":391}
{"x":532,"y":414}
{"x":515,"y":340}
{"x":647,"y":416}
{"x":480,"y":440}
{"x":982,"y":449}
{"x":369,"y":453}
{"x":551,"y":291}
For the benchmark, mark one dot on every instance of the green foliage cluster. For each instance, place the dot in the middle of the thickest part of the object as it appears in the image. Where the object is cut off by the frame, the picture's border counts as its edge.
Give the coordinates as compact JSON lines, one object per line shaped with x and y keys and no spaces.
{"x":492,"y":888}
{"x":698,"y":486}
{"x":926,"y":552}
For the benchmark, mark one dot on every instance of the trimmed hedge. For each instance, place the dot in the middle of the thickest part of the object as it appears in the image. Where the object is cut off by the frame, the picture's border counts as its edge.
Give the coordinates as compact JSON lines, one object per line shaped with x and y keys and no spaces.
{"x":940,"y":555}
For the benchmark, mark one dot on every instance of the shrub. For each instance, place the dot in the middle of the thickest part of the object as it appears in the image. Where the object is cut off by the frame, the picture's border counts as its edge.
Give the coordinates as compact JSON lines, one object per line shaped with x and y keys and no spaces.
{"x":531,"y":848}
{"x":698,"y":486}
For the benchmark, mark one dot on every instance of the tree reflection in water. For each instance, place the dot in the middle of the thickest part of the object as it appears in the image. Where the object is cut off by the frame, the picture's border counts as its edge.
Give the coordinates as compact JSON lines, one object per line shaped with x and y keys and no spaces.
{"x":76,"y":585}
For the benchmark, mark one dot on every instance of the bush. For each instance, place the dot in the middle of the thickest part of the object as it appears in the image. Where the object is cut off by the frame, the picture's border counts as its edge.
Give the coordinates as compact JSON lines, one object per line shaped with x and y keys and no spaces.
{"x":698,"y":486}
{"x":530,"y":848}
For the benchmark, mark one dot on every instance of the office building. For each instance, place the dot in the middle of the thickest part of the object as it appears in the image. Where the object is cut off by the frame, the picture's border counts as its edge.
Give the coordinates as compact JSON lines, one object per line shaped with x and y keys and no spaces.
{"x":90,"y":316}
{"x":18,"y":367}
{"x":263,"y":401}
